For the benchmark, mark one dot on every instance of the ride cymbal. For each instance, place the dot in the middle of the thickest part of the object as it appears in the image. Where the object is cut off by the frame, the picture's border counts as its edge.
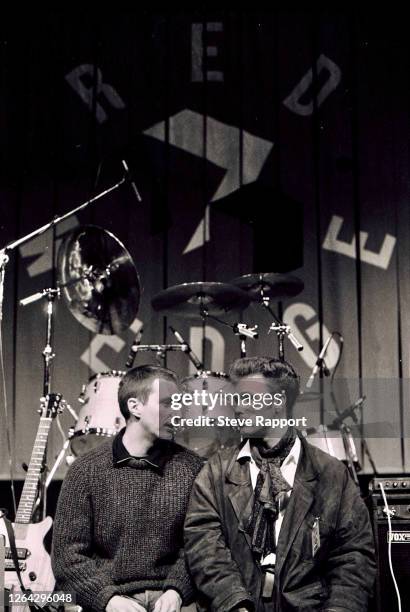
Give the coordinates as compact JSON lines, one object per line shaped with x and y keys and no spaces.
{"x":192,"y":299}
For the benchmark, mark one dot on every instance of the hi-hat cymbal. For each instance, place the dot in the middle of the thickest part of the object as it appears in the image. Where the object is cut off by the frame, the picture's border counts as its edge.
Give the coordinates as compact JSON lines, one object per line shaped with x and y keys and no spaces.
{"x":269,"y":284}
{"x":189,"y":299}
{"x":99,"y":280}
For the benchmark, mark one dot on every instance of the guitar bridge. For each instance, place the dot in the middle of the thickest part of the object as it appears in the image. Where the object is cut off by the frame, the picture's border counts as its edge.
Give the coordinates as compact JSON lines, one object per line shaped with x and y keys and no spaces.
{"x":9,"y":566}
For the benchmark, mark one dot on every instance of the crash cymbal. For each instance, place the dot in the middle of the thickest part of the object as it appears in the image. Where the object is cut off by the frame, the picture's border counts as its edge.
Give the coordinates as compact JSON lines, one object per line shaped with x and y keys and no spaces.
{"x":188,"y":299}
{"x":99,"y":280}
{"x":269,"y":284}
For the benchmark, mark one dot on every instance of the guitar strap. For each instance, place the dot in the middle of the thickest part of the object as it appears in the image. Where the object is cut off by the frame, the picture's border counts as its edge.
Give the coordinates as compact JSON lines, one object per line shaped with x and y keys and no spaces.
{"x":13,"y":550}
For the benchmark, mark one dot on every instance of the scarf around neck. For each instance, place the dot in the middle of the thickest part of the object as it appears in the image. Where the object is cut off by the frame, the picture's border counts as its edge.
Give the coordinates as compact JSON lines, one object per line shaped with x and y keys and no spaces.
{"x":270,"y":485}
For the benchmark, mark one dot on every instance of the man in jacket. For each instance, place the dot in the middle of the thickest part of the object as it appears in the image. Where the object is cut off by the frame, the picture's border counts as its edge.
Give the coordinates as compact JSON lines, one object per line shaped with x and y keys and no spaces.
{"x":276,"y":524}
{"x":118,"y":533}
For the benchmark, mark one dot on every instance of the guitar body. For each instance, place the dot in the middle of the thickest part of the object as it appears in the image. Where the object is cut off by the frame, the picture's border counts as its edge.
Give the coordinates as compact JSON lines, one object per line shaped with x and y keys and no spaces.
{"x":37,"y":562}
{"x":33,"y":559}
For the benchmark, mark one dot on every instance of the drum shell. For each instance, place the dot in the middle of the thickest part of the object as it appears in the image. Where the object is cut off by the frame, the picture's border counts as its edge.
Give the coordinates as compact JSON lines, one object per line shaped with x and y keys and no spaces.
{"x":207,"y":440}
{"x":100,"y":416}
{"x":331,"y":442}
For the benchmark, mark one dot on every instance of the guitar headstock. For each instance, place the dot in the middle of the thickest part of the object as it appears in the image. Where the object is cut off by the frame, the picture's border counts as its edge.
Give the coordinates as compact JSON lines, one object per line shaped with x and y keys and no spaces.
{"x":52,"y":405}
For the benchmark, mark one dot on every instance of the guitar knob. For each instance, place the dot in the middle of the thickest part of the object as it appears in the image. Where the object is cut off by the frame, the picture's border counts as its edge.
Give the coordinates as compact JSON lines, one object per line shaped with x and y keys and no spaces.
{"x":32,"y":576}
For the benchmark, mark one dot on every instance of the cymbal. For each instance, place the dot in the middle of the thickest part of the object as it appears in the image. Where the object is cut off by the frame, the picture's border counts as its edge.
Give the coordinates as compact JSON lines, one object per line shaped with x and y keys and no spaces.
{"x":269,"y":284}
{"x":99,"y":280}
{"x":188,"y":299}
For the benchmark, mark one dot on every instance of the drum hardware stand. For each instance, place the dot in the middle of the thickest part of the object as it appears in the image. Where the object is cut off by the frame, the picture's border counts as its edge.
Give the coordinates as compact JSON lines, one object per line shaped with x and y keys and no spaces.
{"x":11,"y":246}
{"x":186,"y":348}
{"x":280,"y":328}
{"x":161,"y":349}
{"x":242,"y":330}
{"x":48,"y":354}
{"x":51,"y":294}
{"x":134,"y":348}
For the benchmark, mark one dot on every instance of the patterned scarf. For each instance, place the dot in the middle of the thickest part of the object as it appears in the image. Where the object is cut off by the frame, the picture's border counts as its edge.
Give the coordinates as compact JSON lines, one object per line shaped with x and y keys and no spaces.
{"x":270,"y":485}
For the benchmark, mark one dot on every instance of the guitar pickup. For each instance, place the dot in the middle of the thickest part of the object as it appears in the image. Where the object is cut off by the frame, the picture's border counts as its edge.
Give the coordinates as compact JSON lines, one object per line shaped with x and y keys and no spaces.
{"x":9,"y":566}
{"x":22,"y":553}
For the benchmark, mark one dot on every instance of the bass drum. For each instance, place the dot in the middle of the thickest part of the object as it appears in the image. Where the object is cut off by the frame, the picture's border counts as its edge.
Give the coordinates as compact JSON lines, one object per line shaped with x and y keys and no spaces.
{"x":100,"y":416}
{"x":207,"y":439}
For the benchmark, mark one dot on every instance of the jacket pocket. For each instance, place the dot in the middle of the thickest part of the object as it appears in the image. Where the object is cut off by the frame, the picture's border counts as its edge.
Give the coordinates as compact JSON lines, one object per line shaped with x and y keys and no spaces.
{"x":309,"y":597}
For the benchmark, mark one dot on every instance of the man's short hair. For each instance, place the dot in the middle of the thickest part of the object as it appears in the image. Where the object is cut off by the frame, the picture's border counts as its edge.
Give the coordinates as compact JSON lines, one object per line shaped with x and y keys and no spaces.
{"x":138,"y":382}
{"x":280,"y":372}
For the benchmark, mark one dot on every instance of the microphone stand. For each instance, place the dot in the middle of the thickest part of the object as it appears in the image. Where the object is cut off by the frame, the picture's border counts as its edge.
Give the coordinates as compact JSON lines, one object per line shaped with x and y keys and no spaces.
{"x":11,"y":246}
{"x":51,"y":294}
{"x":339,"y":422}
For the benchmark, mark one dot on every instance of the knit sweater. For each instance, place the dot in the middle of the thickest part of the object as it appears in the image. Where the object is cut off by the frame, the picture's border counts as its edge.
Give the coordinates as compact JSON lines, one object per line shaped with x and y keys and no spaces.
{"x":119,"y":530}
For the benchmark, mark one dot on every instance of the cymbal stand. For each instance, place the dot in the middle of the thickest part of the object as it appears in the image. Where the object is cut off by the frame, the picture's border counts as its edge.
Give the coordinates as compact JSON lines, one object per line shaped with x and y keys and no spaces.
{"x":160,"y":349}
{"x":280,"y":328}
{"x":242,"y":330}
{"x":11,"y":246}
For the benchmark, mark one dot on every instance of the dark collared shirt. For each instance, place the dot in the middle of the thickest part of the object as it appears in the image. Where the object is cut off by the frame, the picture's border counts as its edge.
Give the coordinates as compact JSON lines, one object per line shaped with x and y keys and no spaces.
{"x":158,"y":455}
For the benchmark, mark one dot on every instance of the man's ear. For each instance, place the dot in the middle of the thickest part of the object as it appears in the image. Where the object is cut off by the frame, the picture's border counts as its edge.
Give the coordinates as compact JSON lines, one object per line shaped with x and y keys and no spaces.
{"x":135,"y":407}
{"x":283,"y":406}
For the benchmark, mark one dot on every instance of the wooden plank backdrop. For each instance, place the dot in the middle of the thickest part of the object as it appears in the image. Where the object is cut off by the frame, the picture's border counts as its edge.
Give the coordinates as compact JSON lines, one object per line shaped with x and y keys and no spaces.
{"x":313,"y":106}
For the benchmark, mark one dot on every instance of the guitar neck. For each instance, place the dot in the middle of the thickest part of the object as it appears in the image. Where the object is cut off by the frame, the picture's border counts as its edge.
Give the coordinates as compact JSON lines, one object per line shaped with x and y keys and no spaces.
{"x":29,"y":493}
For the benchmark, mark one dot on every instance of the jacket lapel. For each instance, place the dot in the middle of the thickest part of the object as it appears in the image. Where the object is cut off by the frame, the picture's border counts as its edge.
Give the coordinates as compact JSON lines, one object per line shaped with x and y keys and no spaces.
{"x":300,"y":501}
{"x":241,"y":499}
{"x":241,"y":496}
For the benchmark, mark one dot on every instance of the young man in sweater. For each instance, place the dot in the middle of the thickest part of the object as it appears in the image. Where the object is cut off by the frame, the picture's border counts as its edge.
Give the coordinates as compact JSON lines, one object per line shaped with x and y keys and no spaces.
{"x":118,"y":539}
{"x":277,"y":525}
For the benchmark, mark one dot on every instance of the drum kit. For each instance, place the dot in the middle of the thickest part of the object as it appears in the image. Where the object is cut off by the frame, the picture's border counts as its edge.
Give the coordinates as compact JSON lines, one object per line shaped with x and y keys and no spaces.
{"x":100,"y":284}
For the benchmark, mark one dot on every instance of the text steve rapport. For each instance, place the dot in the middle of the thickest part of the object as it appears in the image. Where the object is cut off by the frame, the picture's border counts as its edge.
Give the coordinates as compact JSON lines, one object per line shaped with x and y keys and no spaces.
{"x":237,"y":422}
{"x":223,"y":398}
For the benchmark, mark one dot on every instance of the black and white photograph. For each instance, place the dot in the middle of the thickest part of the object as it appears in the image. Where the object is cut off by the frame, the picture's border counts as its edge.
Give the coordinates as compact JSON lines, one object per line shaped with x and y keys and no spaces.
{"x":205,"y":309}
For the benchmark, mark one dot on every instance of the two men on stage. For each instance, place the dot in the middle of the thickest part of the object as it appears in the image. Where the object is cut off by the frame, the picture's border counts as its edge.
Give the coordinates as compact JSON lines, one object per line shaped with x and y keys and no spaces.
{"x":272,"y":525}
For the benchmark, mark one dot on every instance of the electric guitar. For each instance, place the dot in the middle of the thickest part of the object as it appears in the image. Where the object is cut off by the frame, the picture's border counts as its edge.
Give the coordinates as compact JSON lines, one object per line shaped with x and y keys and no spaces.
{"x":34,"y":561}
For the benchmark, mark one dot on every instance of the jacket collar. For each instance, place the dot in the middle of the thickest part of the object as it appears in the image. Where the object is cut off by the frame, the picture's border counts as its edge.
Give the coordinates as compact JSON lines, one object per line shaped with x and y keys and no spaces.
{"x":238,"y":468}
{"x":301,"y":499}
